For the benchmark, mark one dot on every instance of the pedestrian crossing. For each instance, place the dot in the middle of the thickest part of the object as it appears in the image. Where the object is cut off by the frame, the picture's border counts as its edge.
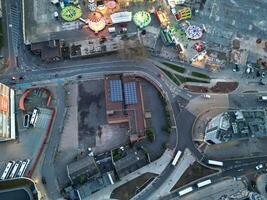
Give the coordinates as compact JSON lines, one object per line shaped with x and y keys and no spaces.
{"x":44,"y":118}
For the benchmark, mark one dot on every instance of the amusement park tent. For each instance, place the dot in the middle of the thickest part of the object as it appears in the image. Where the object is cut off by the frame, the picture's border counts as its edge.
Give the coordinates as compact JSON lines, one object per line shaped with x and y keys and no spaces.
{"x":173,"y":3}
{"x":54,"y":1}
{"x":121,"y":17}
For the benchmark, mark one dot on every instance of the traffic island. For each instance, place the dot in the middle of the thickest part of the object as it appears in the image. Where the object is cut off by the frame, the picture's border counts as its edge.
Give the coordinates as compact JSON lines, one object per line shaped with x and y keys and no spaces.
{"x":131,"y":188}
{"x":194,"y":172}
{"x":219,"y":87}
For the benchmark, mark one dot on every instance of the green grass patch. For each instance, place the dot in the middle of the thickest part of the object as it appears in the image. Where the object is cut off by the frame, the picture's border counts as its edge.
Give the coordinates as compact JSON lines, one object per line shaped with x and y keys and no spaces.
{"x":175,"y":67}
{"x":200,"y":75}
{"x":178,"y":79}
{"x":183,"y":79}
{"x":172,"y":77}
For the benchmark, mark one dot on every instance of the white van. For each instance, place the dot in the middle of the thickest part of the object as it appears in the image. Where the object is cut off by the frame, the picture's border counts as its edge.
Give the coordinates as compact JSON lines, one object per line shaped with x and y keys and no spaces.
{"x":206,"y":96}
{"x":262,"y":98}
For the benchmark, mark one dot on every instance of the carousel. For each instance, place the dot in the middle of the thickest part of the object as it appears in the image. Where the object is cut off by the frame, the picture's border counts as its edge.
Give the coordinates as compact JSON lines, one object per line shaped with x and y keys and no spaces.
{"x":142,"y":19}
{"x":194,"y":32}
{"x":71,"y":13}
{"x":96,"y":21}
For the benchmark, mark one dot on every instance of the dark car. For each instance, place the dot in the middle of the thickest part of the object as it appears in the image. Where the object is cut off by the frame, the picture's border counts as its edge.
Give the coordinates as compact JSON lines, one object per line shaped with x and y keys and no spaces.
{"x":258,"y":74}
{"x":43,"y":180}
{"x":237,"y":68}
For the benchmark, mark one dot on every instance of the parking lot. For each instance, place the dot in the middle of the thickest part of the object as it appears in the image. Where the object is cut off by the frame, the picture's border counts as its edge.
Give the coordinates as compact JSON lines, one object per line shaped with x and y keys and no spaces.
{"x":91,"y":112}
{"x":157,"y":121}
{"x":30,"y":133}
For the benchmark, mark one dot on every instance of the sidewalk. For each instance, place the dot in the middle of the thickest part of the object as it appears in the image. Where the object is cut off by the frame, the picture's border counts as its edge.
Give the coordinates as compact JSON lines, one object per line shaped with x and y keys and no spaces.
{"x":186,"y":160}
{"x":155,"y":167}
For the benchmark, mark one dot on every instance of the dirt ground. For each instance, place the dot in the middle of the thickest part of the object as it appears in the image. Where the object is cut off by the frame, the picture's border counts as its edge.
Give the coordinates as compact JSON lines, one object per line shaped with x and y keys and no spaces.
{"x":219,"y":87}
{"x":224,"y":87}
{"x":127,"y":190}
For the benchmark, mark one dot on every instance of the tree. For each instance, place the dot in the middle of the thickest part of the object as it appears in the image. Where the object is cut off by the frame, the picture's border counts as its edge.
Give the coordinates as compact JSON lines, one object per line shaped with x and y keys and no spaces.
{"x":150,"y":134}
{"x":82,"y":179}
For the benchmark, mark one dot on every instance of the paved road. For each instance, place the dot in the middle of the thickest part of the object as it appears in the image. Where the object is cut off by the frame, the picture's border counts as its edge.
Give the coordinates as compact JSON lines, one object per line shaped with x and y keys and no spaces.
{"x":11,"y":19}
{"x":48,"y":170}
{"x":48,"y":76}
{"x":233,"y":168}
{"x":102,"y":66}
{"x":183,"y":118}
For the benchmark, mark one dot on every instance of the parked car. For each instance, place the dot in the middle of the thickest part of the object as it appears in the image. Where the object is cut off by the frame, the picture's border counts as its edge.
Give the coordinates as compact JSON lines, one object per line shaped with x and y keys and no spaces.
{"x":258,"y":167}
{"x":43,"y":180}
{"x":206,"y":96}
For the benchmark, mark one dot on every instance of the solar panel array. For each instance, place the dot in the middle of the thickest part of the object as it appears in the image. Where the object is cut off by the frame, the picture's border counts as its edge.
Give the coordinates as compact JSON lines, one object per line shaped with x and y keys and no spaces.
{"x":115,"y":89}
{"x":130,"y":93}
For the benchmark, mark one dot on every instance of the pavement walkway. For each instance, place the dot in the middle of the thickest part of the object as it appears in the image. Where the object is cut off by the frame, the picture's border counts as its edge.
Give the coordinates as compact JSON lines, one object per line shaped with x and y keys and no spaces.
{"x":156,"y":167}
{"x":261,"y":183}
{"x":186,"y":160}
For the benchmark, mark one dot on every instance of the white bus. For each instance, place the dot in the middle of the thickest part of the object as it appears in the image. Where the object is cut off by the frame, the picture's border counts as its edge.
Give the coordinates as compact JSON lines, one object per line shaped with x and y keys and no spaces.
{"x":176,"y":158}
{"x":34,"y":117}
{"x":214,"y":162}
{"x":7,"y":170}
{"x":204,"y":183}
{"x":185,"y":191}
{"x":23,"y":168}
{"x":14,"y":170}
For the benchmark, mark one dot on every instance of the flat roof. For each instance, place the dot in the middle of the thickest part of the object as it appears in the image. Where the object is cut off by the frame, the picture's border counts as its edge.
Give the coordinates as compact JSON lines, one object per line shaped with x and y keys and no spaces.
{"x":7,"y":113}
{"x":124,"y":102}
{"x":131,"y":162}
{"x":85,"y":165}
{"x":236,"y":124}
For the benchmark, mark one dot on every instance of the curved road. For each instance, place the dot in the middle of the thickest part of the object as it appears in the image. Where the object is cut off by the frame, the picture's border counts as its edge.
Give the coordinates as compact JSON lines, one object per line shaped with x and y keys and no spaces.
{"x":68,"y":70}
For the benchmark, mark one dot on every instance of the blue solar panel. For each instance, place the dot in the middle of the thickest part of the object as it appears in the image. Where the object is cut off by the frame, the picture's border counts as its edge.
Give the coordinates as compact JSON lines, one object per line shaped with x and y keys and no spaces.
{"x":115,"y":89}
{"x":130,"y":93}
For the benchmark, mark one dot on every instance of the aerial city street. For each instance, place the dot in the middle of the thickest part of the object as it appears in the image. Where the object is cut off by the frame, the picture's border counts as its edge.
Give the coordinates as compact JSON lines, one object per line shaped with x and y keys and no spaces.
{"x":133,"y":100}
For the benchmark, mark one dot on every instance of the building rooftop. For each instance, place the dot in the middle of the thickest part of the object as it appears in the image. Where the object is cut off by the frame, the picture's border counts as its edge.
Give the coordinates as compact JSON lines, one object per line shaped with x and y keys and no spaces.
{"x":85,"y":166}
{"x":124,"y":103}
{"x":130,"y":162}
{"x":94,"y":185}
{"x":236,"y":124}
{"x":7,"y":113}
